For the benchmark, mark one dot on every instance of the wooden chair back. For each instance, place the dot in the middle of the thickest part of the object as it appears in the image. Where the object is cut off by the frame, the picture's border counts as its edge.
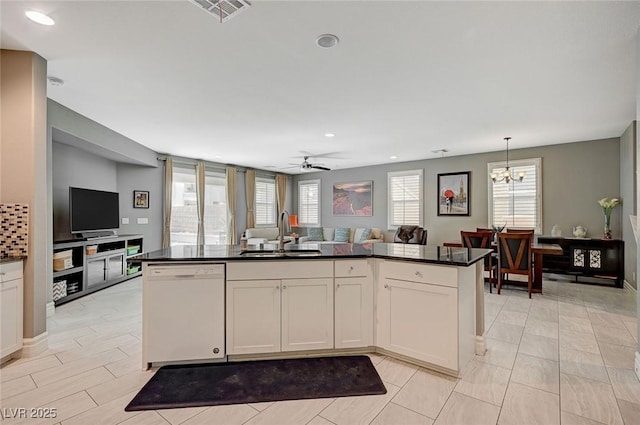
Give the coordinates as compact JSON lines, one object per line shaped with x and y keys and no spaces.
{"x":479,"y":239}
{"x":518,"y":230}
{"x":514,"y":256}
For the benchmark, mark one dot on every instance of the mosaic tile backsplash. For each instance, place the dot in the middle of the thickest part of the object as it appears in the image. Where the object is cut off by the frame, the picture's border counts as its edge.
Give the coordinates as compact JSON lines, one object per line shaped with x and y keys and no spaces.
{"x":14,"y":223}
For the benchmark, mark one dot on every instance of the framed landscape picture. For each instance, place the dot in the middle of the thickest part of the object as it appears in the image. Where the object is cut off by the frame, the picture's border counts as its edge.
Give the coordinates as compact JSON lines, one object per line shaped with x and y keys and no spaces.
{"x":353,"y":199}
{"x":454,"y":195}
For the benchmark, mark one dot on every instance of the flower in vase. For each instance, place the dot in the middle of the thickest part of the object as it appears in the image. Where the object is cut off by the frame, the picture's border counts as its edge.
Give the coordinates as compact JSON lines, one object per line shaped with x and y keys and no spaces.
{"x":608,"y":204}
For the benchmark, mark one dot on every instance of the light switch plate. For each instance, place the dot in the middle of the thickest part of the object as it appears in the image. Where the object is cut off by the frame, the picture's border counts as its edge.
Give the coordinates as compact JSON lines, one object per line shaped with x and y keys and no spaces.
{"x":143,"y":220}
{"x":125,"y":220}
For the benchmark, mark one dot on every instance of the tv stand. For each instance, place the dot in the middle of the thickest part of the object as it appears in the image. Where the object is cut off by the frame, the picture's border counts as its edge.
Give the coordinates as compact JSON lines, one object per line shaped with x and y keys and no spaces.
{"x":97,"y":263}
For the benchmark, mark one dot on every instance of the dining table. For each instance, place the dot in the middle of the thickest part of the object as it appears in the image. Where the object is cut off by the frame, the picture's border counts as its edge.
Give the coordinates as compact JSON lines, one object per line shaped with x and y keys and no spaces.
{"x":538,"y":250}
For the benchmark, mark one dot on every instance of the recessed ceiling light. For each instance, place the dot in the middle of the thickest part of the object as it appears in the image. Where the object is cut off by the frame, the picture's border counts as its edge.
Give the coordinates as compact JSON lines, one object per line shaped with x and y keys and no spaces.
{"x":327,"y":40}
{"x":39,"y":17}
{"x":329,"y":135}
{"x":55,"y":81}
{"x":393,"y":157}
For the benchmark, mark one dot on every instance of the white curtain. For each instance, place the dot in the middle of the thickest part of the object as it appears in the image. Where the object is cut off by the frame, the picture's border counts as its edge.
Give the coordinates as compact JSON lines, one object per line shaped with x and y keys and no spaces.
{"x":281,"y":195}
{"x":250,"y":190}
{"x":232,"y":182}
{"x":168,"y":185}
{"x":200,"y":184}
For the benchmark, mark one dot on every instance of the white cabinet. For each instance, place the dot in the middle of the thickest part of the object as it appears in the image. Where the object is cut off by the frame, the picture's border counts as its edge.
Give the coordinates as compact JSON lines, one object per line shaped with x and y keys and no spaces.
{"x":307,"y":314}
{"x":253,"y":316}
{"x":353,"y":304}
{"x":279,"y":306}
{"x":11,"y":305}
{"x":183,"y":312}
{"x":425,"y":313}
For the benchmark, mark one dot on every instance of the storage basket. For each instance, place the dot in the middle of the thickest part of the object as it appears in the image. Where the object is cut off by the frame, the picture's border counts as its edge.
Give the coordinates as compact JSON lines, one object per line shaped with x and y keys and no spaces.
{"x":91,"y":249}
{"x":62,"y":260}
{"x":59,"y":289}
{"x":133,"y":270}
{"x":133,"y":249}
{"x":73,"y":288}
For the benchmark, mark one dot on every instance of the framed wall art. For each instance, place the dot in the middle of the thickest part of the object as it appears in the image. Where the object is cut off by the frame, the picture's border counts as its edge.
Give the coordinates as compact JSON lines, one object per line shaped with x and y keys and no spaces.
{"x":353,"y":198}
{"x":454,"y":193}
{"x":140,"y":199}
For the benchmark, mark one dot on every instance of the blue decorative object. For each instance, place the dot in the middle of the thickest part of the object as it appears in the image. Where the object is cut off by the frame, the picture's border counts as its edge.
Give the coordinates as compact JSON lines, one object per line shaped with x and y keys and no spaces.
{"x":366,"y":233}
{"x":315,"y":234}
{"x":342,"y":234}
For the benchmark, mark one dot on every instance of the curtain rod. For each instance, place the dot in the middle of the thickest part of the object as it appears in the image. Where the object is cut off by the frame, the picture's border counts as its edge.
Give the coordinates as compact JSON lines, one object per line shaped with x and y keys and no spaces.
{"x":218,"y":165}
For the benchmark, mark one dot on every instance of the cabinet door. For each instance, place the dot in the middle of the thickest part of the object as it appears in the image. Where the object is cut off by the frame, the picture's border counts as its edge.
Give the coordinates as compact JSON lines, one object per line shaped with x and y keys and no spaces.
{"x":10,"y":316}
{"x":253,"y":316}
{"x":307,"y":314}
{"x":420,"y":321}
{"x":115,"y":266}
{"x":96,"y":271}
{"x":354,"y":312}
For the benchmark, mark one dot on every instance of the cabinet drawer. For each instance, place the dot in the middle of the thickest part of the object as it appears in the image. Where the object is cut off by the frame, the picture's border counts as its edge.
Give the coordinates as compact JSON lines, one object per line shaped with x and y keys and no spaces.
{"x":10,"y":271}
{"x":420,"y":273}
{"x":352,"y":268}
{"x":292,"y":269}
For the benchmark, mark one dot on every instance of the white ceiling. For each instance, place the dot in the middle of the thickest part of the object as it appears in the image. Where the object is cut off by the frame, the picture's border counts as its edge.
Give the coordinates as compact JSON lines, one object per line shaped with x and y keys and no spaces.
{"x":407,"y":77}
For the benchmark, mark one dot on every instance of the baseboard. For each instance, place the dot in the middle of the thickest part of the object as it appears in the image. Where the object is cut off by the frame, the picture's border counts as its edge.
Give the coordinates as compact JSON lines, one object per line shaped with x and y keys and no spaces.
{"x":636,"y":365}
{"x":32,"y":347}
{"x":628,"y":286}
{"x":51,"y":309}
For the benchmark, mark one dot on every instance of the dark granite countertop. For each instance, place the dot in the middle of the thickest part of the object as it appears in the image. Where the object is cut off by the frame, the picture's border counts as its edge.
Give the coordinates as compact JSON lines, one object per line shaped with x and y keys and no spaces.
{"x":418,"y":253}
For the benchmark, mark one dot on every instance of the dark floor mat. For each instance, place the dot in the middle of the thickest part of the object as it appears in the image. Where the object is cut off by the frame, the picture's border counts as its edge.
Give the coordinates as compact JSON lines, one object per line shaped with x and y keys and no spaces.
{"x":258,"y":381}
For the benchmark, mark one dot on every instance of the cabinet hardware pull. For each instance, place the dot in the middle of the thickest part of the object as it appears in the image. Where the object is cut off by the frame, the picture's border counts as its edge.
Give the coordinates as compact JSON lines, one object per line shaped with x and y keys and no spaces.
{"x":418,"y":274}
{"x":351,"y":268}
{"x":337,"y":286}
{"x":386,"y":286}
{"x":284,"y":286}
{"x":3,"y":273}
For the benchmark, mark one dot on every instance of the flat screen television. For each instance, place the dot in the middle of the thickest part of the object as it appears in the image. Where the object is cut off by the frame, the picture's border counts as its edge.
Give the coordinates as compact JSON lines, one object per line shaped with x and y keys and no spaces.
{"x":93,"y":210}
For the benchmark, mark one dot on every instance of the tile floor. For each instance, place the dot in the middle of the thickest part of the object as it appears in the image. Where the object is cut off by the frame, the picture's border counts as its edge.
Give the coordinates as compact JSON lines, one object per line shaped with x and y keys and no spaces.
{"x":565,"y":357}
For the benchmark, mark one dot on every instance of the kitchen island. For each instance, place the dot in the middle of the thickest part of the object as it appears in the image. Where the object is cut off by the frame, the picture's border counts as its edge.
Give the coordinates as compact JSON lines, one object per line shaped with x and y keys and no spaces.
{"x":422,"y":304}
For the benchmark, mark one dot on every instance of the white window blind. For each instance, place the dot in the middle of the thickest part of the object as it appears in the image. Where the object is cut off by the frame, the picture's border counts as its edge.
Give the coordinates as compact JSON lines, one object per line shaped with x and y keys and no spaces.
{"x":309,"y":203}
{"x":405,"y":198}
{"x":516,"y":204}
{"x":265,"y":196}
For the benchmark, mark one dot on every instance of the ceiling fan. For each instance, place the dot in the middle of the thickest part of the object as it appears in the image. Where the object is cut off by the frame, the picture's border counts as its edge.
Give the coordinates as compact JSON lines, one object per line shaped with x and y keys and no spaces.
{"x":307,"y":166}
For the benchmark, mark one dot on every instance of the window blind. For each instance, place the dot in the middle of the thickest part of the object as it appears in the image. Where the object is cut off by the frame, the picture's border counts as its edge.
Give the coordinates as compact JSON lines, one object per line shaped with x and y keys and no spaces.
{"x":265,"y":202}
{"x":405,"y":198}
{"x":309,"y":203}
{"x":516,"y":204}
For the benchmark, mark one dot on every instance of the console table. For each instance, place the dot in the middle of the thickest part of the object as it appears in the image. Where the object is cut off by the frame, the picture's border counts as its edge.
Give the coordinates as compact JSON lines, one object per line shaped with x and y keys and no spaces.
{"x":599,"y":258}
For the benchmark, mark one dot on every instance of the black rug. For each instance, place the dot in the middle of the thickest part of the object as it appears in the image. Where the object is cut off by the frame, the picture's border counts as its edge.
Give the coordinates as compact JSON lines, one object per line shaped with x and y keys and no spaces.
{"x":255,"y":381}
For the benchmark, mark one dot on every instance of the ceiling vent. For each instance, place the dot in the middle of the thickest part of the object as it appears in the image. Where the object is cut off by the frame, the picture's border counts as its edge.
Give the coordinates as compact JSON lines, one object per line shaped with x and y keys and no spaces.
{"x":223,"y":9}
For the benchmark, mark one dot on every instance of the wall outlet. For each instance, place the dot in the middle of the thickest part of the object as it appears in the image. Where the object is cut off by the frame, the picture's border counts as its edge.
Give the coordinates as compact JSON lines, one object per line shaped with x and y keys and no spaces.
{"x":125,"y":220}
{"x":143,"y":220}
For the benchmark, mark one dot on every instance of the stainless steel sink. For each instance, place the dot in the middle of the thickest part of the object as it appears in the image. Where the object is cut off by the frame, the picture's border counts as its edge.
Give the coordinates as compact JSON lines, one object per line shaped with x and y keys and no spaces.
{"x":272,"y":253}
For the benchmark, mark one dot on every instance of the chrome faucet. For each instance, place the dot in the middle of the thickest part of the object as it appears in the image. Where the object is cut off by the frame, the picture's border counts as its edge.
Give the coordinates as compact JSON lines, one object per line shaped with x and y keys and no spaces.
{"x":281,"y":242}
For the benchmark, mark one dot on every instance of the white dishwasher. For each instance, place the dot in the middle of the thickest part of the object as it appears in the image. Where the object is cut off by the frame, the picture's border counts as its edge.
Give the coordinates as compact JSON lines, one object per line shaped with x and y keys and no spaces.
{"x":183,"y":312}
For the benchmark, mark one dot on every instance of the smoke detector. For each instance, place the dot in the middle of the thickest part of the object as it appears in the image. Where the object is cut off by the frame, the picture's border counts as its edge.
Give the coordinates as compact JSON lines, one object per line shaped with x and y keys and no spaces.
{"x":55,"y":81}
{"x":223,"y":9}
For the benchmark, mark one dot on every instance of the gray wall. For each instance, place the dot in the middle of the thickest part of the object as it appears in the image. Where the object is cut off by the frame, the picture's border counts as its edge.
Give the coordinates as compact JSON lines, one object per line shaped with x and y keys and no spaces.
{"x":628,"y":196}
{"x":575,"y":176}
{"x":133,"y":177}
{"x":77,"y":168}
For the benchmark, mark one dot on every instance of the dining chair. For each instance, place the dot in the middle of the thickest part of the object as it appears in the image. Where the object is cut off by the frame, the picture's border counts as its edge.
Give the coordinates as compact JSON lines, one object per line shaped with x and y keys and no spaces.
{"x":519,"y":230}
{"x":410,"y":235}
{"x":482,"y":240}
{"x":514,"y":256}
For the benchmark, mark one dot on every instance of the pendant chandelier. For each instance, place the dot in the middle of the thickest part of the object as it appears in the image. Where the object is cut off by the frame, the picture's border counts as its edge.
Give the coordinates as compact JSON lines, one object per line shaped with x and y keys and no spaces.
{"x":507,"y":175}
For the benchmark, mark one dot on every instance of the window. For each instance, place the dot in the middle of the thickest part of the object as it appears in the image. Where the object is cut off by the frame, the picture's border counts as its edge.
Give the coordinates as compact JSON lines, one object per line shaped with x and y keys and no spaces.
{"x":405,"y":198}
{"x":309,"y":203}
{"x":215,"y":208}
{"x":517,"y":204}
{"x":265,"y":207}
{"x":184,"y":207}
